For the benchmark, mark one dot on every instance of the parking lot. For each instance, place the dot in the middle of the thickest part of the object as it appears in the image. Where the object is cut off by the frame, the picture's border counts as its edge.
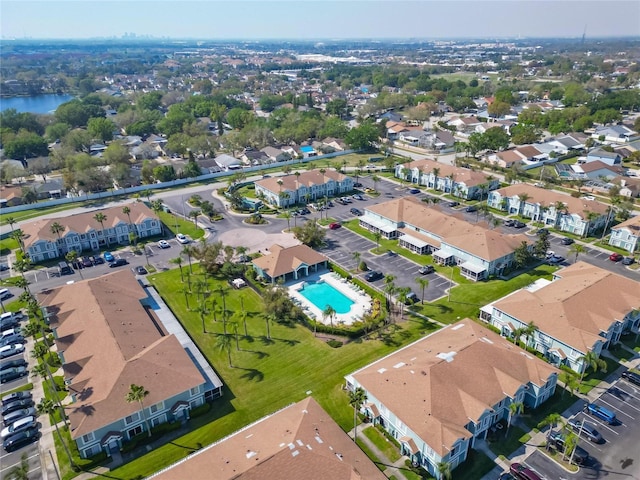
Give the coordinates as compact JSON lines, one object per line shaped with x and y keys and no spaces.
{"x":616,"y":458}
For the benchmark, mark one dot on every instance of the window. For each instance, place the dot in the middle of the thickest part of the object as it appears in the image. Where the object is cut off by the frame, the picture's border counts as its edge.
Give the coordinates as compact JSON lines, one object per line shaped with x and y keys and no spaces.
{"x":88,"y":438}
{"x":158,"y":420}
{"x":156,"y":407}
{"x":132,"y":418}
{"x":134,"y":431}
{"x":194,"y":391}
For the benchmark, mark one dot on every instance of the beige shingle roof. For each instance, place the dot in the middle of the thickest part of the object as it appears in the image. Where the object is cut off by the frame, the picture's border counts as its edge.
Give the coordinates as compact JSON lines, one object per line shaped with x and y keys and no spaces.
{"x":574,"y":309}
{"x":110,"y":341}
{"x":282,"y":260}
{"x":298,"y":442}
{"x":437,"y":384}
{"x":84,"y":222}
{"x":452,"y":229}
{"x":632,"y":224}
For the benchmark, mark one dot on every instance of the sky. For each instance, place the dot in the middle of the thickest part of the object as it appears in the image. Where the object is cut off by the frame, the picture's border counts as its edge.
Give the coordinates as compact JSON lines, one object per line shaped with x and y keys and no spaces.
{"x":318,"y":19}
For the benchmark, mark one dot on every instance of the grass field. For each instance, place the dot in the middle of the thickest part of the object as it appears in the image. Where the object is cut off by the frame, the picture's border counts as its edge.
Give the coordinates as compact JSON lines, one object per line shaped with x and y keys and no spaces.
{"x":267,"y":374}
{"x":179,"y":225}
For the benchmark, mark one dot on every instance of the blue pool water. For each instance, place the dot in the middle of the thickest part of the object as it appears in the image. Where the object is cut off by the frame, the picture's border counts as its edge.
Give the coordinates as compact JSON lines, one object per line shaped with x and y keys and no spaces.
{"x":322,"y":294}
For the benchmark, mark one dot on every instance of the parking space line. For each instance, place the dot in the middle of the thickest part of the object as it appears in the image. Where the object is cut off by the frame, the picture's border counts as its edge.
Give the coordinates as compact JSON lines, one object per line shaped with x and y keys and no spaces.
{"x":625,"y":401}
{"x":616,"y":408}
{"x":598,"y":422}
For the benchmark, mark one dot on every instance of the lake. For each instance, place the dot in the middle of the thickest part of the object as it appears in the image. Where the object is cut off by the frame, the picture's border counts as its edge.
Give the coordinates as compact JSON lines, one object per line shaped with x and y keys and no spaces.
{"x":35,"y":104}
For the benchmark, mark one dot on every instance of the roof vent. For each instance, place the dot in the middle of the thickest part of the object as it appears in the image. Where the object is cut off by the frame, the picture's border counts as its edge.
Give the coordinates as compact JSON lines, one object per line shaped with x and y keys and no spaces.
{"x":448,"y":357}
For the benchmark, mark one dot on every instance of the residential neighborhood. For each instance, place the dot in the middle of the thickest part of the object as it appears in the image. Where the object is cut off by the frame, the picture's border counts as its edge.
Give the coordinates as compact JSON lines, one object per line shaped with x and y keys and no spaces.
{"x":325,"y":259}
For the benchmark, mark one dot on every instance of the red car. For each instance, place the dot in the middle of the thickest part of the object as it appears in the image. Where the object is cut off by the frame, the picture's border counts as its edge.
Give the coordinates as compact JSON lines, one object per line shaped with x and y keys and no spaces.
{"x":615,"y":257}
{"x":334,"y":226}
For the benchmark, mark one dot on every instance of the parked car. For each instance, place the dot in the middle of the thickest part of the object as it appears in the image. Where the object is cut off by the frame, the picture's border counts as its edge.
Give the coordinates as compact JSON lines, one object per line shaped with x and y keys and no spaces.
{"x":18,"y":426}
{"x":357,"y":185}
{"x":12,"y":374}
{"x":357,"y":196}
{"x":334,"y":225}
{"x":426,"y":269}
{"x":508,"y":223}
{"x":21,"y":439}
{"x":542,"y":231}
{"x":411,"y":298}
{"x":414,"y":190}
{"x":18,"y":414}
{"x":522,"y":472}
{"x":163,"y":244}
{"x":12,"y":339}
{"x":567,"y":241}
{"x":587,"y":429}
{"x":453,"y":204}
{"x":11,"y":350}
{"x":355,"y":211}
{"x":140,"y":270}
{"x":118,"y":263}
{"x":182,"y":238}
{"x":15,"y":405}
{"x":372,"y":276}
{"x":20,"y":362}
{"x":553,"y":259}
{"x":471,"y":208}
{"x":305,"y":211}
{"x":557,"y":439}
{"x":86,"y":262}
{"x":632,"y":377}
{"x":615,"y":257}
{"x":16,"y":396}
{"x":518,"y":224}
{"x":600,"y":412}
{"x":628,"y":260}
{"x":108,"y":256}
{"x":391,"y":253}
{"x":97,"y":260}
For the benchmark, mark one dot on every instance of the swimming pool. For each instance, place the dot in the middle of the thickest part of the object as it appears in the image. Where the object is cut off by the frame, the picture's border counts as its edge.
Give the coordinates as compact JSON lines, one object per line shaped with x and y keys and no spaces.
{"x":322,"y":294}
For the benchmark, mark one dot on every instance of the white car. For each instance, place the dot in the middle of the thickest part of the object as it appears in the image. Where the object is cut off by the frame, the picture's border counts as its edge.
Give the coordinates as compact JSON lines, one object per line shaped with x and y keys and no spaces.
{"x":163,"y":244}
{"x":18,"y":426}
{"x":11,"y":350}
{"x":182,"y":238}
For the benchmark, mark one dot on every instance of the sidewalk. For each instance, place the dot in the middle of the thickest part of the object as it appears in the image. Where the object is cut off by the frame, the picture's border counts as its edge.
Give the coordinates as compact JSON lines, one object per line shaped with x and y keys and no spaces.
{"x":393,"y":468}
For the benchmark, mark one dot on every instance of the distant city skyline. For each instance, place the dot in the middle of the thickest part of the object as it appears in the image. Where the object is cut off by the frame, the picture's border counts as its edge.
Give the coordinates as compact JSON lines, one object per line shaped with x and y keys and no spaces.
{"x":315,"y":19}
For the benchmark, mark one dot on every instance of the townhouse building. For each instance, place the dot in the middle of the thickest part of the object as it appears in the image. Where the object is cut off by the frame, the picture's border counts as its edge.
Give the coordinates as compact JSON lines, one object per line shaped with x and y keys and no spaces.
{"x":442,"y":393}
{"x":476,"y":249}
{"x":103,"y":355}
{"x":626,"y":235}
{"x":457,"y":181}
{"x":82,"y":232}
{"x":583,"y":309}
{"x":579,"y":216}
{"x":299,"y":441}
{"x":302,"y":187}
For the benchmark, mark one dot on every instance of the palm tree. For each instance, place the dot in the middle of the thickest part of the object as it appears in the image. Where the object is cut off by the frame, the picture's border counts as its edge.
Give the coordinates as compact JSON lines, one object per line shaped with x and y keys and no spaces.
{"x":329,"y":312}
{"x":72,"y":257}
{"x":101,"y":218}
{"x":576,"y":249}
{"x":552,"y":421}
{"x":444,"y":470}
{"x":375,"y":179}
{"x":195,"y":214}
{"x":18,"y":236}
{"x":423,"y":283}
{"x":268,"y":319}
{"x":590,"y":359}
{"x":189,"y":251}
{"x":523,"y":197}
{"x":356,"y":257}
{"x":356,"y":398}
{"x":287,"y":215}
{"x":11,"y":221}
{"x":234,"y":327}
{"x":57,"y":229}
{"x":127,"y":212}
{"x":570,"y":382}
{"x":137,"y":393}
{"x":47,"y":407}
{"x":377,"y":235}
{"x":178,"y":261}
{"x":223,"y":342}
{"x":514,"y":409}
{"x":529,"y":331}
{"x":186,"y":292}
{"x":202,"y":311}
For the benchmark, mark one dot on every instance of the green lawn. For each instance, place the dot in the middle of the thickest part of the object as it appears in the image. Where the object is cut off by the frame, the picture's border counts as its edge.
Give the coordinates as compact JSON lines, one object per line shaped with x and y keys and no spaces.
{"x":558,"y":403}
{"x":179,"y":225}
{"x":380,"y":441}
{"x":8,"y":244}
{"x":267,"y":374}
{"x":37,"y":212}
{"x":372,"y":456}
{"x":592,"y":379}
{"x":477,"y":465}
{"x":504,"y":443}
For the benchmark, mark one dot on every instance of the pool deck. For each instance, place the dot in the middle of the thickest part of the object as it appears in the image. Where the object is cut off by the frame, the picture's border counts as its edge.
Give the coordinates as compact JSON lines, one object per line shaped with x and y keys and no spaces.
{"x":361,"y":300}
